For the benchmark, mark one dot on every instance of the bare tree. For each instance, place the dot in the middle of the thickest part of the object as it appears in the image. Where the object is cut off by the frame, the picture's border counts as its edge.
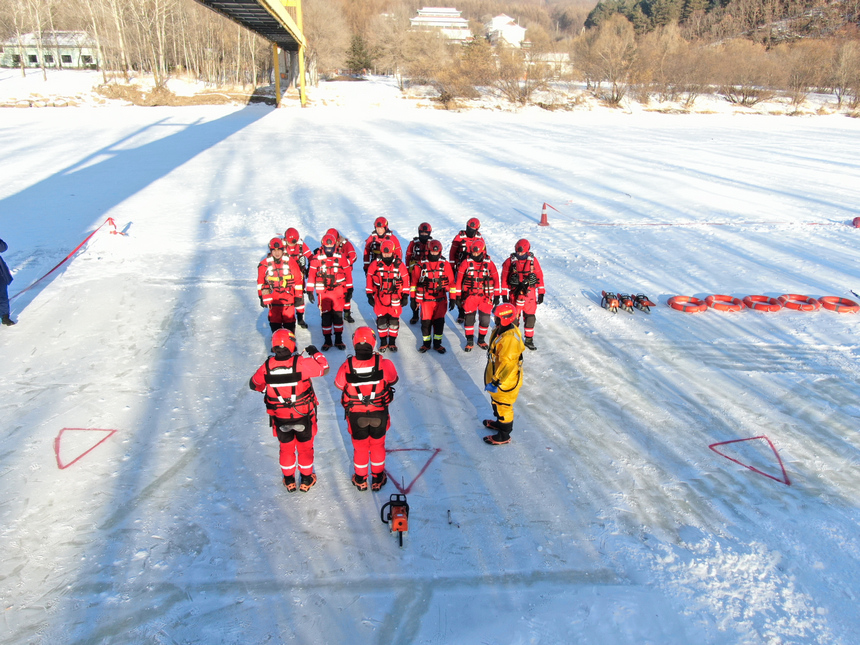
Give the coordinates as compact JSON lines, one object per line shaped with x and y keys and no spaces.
{"x":327,"y":35}
{"x":520,"y":74}
{"x":845,"y":70}
{"x":608,"y":56}
{"x":804,"y":66}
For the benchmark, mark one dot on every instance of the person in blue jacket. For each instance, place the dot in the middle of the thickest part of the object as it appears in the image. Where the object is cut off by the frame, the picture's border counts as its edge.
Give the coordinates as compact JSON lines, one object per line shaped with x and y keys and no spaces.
{"x":5,"y":280}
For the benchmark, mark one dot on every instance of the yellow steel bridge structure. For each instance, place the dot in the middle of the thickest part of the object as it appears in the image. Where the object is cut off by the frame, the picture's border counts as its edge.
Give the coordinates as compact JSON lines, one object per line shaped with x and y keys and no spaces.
{"x":278,"y":21}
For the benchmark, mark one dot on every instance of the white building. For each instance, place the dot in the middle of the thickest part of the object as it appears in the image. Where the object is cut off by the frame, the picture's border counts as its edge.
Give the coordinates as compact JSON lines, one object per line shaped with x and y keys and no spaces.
{"x":504,"y":28}
{"x":71,"y":49}
{"x":447,"y":20}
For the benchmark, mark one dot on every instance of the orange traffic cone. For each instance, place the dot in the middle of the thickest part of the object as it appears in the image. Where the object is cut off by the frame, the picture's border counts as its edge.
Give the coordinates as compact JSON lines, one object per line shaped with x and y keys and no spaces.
{"x":543,"y":220}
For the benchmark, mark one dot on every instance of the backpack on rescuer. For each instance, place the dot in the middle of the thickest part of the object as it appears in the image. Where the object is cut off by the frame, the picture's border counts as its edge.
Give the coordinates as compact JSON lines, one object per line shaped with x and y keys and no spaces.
{"x":381,"y":394}
{"x":282,"y":383}
{"x":520,"y":281}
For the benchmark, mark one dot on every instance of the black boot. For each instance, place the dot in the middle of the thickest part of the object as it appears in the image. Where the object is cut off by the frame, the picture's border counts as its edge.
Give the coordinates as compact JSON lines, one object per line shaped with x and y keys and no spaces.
{"x":338,"y":341}
{"x":383,"y":343}
{"x":424,"y":346}
{"x":437,"y":345}
{"x":8,"y":321}
{"x":502,"y":436}
{"x":378,"y":480}
{"x":414,"y":318}
{"x":290,"y":483}
{"x":481,"y":342}
{"x":326,"y":342}
{"x":290,"y":326}
{"x":392,"y":344}
{"x":469,"y":344}
{"x":300,"y":319}
{"x":530,"y":343}
{"x":308,"y":482}
{"x":347,"y":316}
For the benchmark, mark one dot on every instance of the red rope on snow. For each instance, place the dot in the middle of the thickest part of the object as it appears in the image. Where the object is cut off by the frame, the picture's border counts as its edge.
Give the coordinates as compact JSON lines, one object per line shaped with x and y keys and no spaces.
{"x":108,"y":221}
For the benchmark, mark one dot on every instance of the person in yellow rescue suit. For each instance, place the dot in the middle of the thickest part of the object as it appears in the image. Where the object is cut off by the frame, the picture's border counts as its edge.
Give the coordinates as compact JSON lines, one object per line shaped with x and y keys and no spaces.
{"x":503,"y":376}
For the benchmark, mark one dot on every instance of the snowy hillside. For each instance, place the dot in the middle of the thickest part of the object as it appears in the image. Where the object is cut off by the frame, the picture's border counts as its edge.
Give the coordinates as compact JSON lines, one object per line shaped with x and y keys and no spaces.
{"x":607,"y":520}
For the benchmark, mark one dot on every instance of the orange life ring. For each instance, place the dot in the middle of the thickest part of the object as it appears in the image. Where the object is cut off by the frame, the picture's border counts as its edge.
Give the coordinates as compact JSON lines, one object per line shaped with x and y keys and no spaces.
{"x":839,"y":305}
{"x":721,"y":302}
{"x":687,"y":304}
{"x":799,"y":302}
{"x":763,"y":303}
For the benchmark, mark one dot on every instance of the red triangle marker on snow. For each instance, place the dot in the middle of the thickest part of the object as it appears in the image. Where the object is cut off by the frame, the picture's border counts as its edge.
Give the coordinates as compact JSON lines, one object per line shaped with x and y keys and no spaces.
{"x":784,"y":479}
{"x":405,"y":490}
{"x":75,"y":443}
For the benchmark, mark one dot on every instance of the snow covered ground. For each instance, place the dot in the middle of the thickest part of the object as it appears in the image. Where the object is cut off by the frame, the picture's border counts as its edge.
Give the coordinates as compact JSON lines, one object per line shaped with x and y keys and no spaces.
{"x":607,"y":520}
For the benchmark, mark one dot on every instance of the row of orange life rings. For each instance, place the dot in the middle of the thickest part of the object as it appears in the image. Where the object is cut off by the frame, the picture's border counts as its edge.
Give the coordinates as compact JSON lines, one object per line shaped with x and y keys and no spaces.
{"x":794,"y":301}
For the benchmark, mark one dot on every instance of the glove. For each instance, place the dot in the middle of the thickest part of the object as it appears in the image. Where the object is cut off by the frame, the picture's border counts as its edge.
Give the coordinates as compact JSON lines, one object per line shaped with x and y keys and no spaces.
{"x":251,"y":384}
{"x":540,"y":299}
{"x":262,"y":304}
{"x":495,"y":300}
{"x":452,"y":304}
{"x":371,"y":300}
{"x":299,"y":301}
{"x":311,"y":350}
{"x":493,"y":386}
{"x":404,"y":300}
{"x":310,"y":296}
{"x":348,"y":296}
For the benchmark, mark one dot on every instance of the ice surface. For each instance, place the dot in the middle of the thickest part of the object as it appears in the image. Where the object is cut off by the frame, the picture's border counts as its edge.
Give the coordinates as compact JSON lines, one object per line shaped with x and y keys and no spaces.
{"x":607,"y":520}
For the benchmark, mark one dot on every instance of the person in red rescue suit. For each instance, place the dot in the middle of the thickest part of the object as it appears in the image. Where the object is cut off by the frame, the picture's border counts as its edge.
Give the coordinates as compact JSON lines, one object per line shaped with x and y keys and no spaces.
{"x":291,"y":404}
{"x":295,"y":248}
{"x":373,"y":244}
{"x":415,"y":252}
{"x":367,"y":381}
{"x":279,"y":284}
{"x":327,"y":279}
{"x":431,"y":280}
{"x":459,"y":250}
{"x":522,"y":285}
{"x":387,"y":293}
{"x":503,"y":375}
{"x":349,"y":256}
{"x":477,"y":291}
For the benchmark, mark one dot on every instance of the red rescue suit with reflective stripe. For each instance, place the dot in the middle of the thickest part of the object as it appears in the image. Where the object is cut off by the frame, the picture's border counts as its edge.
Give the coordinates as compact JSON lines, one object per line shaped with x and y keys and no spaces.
{"x":328,"y":278}
{"x":523,"y":295}
{"x":431,"y":284}
{"x":477,"y":284}
{"x":388,"y":283}
{"x":373,"y":247}
{"x":286,"y":383}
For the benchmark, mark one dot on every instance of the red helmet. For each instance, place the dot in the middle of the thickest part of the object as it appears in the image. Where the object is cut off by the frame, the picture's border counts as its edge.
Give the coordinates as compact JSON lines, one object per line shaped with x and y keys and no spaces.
{"x":333,"y":232}
{"x":434,"y":247}
{"x":364,"y":335}
{"x":505,"y":312}
{"x":380,"y":221}
{"x":387,"y":246}
{"x":276,"y":243}
{"x":284,"y":338}
{"x":474,"y":223}
{"x":328,"y":240}
{"x":523,"y":247}
{"x":425,"y":228}
{"x":477,"y":246}
{"x":291,"y":236}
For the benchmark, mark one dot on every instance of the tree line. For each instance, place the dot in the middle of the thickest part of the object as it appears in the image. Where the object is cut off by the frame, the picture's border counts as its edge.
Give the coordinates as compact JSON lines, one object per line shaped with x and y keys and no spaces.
{"x":746,"y":50}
